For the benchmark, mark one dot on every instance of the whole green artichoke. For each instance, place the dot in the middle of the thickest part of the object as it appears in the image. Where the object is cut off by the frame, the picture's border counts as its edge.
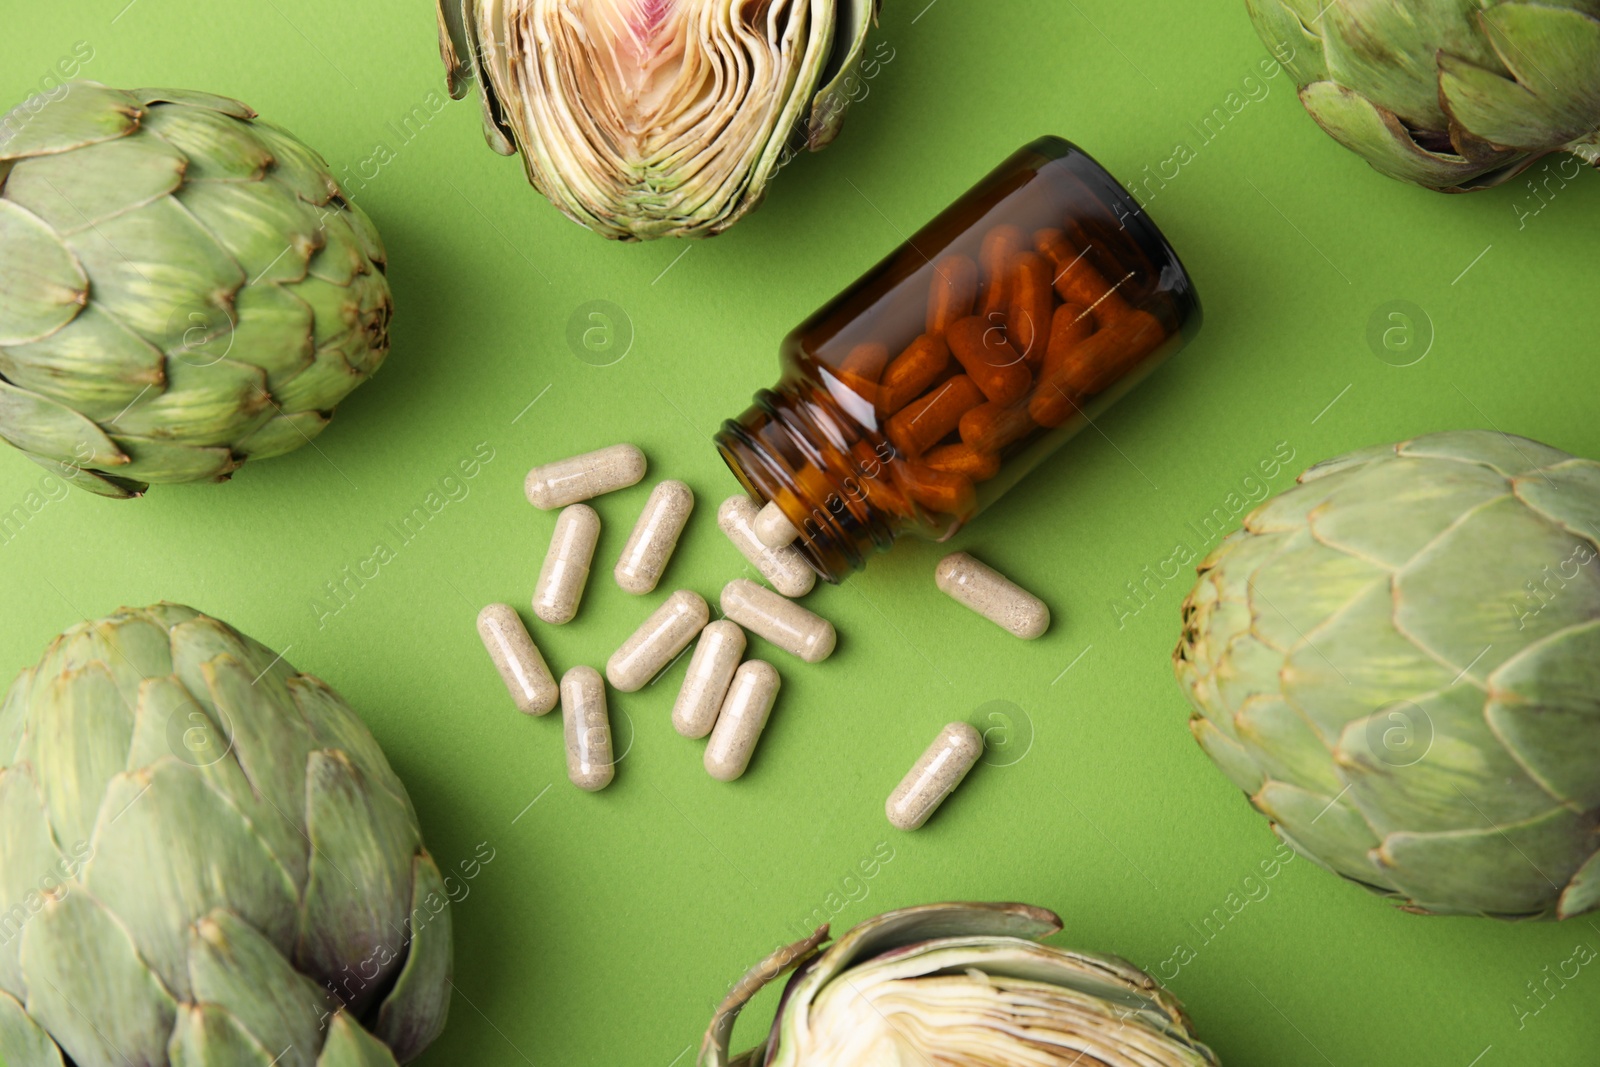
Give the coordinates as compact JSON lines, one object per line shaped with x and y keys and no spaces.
{"x":206,"y":861}
{"x":960,"y":985}
{"x":1454,"y":95}
{"x":1398,"y":661}
{"x":657,"y":118}
{"x":182,"y":287}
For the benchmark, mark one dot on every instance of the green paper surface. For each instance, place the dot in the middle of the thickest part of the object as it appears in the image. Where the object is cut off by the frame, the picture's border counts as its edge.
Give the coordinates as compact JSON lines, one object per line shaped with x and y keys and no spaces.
{"x":605,"y":927}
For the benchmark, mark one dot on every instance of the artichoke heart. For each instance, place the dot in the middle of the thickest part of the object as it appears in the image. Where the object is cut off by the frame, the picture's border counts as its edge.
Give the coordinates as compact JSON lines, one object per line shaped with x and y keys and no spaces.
{"x":655,"y":118}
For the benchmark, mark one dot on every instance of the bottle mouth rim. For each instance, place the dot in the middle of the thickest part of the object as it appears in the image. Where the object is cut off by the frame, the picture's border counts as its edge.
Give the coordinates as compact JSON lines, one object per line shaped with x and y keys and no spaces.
{"x":829,"y":546}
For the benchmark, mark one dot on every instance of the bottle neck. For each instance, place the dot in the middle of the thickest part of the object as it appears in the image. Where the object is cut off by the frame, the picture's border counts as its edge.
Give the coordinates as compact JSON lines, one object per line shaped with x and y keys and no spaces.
{"x":796,"y":446}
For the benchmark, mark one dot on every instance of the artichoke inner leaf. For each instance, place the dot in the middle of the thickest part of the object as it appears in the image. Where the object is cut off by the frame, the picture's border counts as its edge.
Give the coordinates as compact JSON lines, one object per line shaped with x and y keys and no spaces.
{"x":638,"y":115}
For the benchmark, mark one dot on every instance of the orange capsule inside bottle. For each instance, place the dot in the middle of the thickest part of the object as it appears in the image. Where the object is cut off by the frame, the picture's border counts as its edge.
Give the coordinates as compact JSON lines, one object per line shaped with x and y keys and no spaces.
{"x":939,"y":379}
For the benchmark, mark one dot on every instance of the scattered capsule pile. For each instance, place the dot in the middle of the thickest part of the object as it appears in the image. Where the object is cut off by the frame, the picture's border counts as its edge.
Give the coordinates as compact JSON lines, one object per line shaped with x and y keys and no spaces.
{"x":724,"y":698}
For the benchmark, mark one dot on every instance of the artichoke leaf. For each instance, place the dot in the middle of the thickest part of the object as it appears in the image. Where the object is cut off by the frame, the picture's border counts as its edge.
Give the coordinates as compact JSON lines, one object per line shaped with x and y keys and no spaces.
{"x":714,"y":1047}
{"x":454,"y":44}
{"x":1292,"y":24}
{"x":1386,"y":52}
{"x":271,"y":749}
{"x":1510,"y":870}
{"x":129,"y":649}
{"x":1567,"y":493}
{"x":1408,"y":768}
{"x":159,"y":882}
{"x":336,"y":725}
{"x":170,"y":722}
{"x":93,"y":364}
{"x":1356,"y":519}
{"x":33,"y":867}
{"x":22,"y":1042}
{"x":1327,"y":829}
{"x":207,"y":1035}
{"x":77,"y":747}
{"x":209,"y":101}
{"x":152,"y":460}
{"x":97,"y":482}
{"x":1229,"y":755}
{"x":1505,"y":453}
{"x":233,"y":967}
{"x":1357,"y":665}
{"x":1477,"y":627}
{"x":212,"y":143}
{"x":1379,"y":136}
{"x":296,"y":165}
{"x":1284,"y":745}
{"x":1544,"y":705}
{"x":1554,"y":55}
{"x":106,"y":180}
{"x":497,"y":130}
{"x":414,"y":1012}
{"x":282,"y":433}
{"x":43,"y":286}
{"x":13,"y":716}
{"x":79,"y":959}
{"x":209,"y":400}
{"x":272,"y":238}
{"x":273,"y":332}
{"x":1293,"y":594}
{"x":359,"y":889}
{"x":841,"y":80}
{"x":42,"y":427}
{"x":157,"y":268}
{"x":348,"y":1045}
{"x":84,"y":113}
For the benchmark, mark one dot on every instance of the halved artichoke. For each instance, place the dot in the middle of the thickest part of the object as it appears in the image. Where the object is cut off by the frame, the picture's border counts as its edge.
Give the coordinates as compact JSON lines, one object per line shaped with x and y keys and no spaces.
{"x":962,"y":985}
{"x":655,"y":118}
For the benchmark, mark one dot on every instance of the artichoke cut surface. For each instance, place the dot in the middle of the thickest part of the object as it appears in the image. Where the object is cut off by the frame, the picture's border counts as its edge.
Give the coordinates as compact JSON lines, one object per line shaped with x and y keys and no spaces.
{"x":959,"y":985}
{"x":654,"y":118}
{"x":1398,"y":661}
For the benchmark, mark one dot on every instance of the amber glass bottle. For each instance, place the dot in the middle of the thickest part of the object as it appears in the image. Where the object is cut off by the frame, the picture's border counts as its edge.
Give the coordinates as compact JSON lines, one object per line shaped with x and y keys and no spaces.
{"x":947,"y":372}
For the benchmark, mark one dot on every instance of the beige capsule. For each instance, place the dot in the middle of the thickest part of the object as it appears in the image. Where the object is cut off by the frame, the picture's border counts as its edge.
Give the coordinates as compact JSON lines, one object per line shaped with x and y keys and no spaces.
{"x":784,"y":567}
{"x":783,"y":622}
{"x":773,"y":527}
{"x":667,"y":631}
{"x":934,"y":776}
{"x":654,"y":537}
{"x":518,"y":659}
{"x":706,"y":681}
{"x":566,"y":565}
{"x":744,"y":715}
{"x":587,"y":729}
{"x":992,"y":595}
{"x":567,"y":481}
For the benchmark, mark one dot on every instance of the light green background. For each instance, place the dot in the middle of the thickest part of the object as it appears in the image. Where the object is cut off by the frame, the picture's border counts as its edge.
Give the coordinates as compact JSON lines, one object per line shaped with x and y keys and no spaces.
{"x":607,"y":926}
